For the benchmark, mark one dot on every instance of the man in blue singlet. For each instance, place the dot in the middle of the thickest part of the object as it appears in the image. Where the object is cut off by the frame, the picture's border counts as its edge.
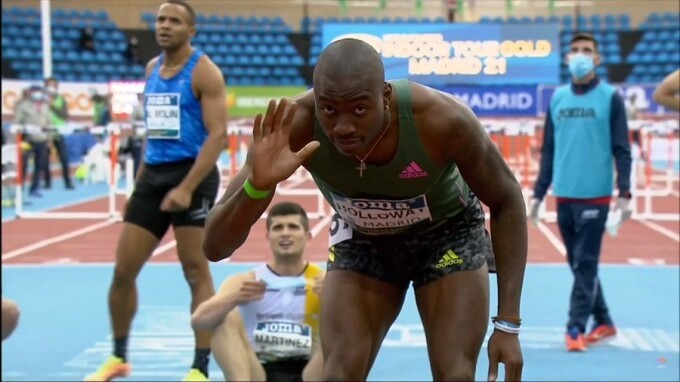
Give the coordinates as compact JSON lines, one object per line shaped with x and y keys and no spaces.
{"x":177,"y":182}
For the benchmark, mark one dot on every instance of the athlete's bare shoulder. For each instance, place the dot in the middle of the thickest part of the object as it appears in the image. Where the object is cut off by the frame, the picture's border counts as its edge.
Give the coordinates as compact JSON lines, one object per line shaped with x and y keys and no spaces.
{"x":441,"y":119}
{"x":426,"y":100}
{"x":303,"y":124}
{"x":207,"y":76}
{"x":150,"y":65}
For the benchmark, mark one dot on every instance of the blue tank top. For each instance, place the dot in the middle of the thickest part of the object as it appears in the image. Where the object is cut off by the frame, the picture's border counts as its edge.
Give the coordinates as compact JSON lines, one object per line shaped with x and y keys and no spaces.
{"x":174,"y":116}
{"x":583,"y":165}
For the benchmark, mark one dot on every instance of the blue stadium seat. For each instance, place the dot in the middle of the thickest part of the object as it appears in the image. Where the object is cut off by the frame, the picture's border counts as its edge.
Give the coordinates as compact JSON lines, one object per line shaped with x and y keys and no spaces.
{"x":289,"y":49}
{"x":87,"y":56}
{"x":29,"y":54}
{"x":634,"y":58}
{"x":59,"y":14}
{"x":664,"y":35}
{"x":59,"y":55}
{"x":93,"y":68}
{"x":613,"y":59}
{"x":671,"y":46}
{"x":243,"y":60}
{"x":656,"y":46}
{"x":262,"y":49}
{"x":270,"y":60}
{"x":675,"y":57}
{"x":251,"y":72}
{"x":648,"y":58}
{"x":74,"y":34}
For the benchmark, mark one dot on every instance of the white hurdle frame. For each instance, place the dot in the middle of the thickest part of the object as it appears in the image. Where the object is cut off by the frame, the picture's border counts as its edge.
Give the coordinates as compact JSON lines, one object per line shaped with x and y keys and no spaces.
{"x":114,"y":173}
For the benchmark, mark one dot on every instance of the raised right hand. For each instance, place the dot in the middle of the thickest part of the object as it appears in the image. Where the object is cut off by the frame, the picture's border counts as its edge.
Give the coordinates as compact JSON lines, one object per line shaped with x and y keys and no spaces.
{"x":270,"y":156}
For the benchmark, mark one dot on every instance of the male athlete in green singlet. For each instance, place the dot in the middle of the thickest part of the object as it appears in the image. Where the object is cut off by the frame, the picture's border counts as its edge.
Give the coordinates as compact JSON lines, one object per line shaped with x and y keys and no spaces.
{"x":402,"y":165}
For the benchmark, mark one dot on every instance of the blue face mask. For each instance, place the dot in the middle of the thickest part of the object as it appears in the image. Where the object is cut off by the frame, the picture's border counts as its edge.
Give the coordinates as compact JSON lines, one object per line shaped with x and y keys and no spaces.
{"x":580,"y":65}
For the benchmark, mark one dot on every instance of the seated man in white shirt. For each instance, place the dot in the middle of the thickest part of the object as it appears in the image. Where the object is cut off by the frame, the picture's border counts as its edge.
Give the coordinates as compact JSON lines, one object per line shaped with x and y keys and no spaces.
{"x":273,"y":334}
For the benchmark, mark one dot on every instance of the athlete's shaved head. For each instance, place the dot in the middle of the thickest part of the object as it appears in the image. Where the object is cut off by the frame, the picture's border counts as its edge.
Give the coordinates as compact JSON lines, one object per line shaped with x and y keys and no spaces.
{"x":350,"y":60}
{"x":351,"y":95}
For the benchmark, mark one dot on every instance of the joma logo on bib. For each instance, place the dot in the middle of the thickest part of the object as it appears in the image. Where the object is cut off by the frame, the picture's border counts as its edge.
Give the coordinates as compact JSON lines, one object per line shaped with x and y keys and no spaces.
{"x":159,"y":100}
{"x":374,"y":216}
{"x":163,"y":116}
{"x":276,"y":340}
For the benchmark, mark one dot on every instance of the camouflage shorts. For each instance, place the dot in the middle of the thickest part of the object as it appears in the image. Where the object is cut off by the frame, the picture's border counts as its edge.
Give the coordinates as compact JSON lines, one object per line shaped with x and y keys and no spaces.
{"x":453,"y":245}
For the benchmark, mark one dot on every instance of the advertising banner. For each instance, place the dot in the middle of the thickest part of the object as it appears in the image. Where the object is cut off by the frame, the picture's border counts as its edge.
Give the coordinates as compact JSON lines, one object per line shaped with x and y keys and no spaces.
{"x":248,"y":101}
{"x":494,"y":101}
{"x":455,"y":54}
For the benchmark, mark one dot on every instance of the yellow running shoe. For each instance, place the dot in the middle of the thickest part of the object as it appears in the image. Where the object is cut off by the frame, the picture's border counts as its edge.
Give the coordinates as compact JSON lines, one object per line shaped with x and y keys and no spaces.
{"x":114,"y":367}
{"x":195,"y":375}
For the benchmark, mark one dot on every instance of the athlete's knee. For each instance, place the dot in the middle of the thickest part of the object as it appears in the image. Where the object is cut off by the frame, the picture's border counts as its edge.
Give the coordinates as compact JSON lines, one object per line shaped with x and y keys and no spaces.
{"x":461,"y":368}
{"x":196,"y":273}
{"x":233,"y":320}
{"x":124,"y":276}
{"x":345,"y":366}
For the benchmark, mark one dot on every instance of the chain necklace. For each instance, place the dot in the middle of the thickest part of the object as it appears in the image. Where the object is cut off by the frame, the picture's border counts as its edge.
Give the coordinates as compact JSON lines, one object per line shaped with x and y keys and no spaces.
{"x":362,"y":164}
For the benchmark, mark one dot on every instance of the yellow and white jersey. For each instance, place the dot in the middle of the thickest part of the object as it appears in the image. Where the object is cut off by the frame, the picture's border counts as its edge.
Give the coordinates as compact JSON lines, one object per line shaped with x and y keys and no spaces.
{"x":283,"y":324}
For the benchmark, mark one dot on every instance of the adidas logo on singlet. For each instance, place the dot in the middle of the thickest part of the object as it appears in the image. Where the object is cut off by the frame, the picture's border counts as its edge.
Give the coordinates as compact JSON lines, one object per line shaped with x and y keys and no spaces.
{"x":412,"y":171}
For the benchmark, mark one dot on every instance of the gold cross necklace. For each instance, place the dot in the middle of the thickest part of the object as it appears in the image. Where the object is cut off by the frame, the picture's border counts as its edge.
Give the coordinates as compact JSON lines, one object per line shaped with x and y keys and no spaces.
{"x":362,"y":164}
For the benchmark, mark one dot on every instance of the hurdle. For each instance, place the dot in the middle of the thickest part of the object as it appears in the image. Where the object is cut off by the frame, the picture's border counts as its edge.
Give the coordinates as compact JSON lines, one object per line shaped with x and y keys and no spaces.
{"x":111,"y":210}
{"x":660,"y":144}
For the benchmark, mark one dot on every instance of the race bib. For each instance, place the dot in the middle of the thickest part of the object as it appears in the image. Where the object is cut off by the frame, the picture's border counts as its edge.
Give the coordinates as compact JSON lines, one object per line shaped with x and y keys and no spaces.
{"x":162,"y":115}
{"x":339,"y":231}
{"x":374,"y":217}
{"x":280,"y":339}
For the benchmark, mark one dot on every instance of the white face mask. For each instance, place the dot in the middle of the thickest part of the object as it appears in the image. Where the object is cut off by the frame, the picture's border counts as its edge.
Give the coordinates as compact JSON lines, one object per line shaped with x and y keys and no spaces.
{"x":37,"y":96}
{"x":51,"y":90}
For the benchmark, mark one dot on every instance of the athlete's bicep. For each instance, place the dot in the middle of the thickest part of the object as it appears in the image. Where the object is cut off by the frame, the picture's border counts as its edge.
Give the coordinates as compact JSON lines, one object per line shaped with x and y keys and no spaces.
{"x":210,"y":86}
{"x":477,"y":157}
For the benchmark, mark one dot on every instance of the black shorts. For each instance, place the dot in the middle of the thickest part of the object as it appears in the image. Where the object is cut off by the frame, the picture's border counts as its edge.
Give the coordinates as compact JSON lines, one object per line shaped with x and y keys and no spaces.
{"x":285,"y":371}
{"x":453,"y":245}
{"x":155,"y":182}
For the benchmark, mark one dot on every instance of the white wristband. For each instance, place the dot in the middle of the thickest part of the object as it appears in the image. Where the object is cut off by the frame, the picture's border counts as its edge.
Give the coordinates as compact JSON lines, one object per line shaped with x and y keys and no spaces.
{"x":505,"y":328}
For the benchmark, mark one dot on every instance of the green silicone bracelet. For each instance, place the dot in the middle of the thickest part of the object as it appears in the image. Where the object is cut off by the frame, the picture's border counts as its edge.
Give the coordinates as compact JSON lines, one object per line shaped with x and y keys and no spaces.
{"x":252,"y":192}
